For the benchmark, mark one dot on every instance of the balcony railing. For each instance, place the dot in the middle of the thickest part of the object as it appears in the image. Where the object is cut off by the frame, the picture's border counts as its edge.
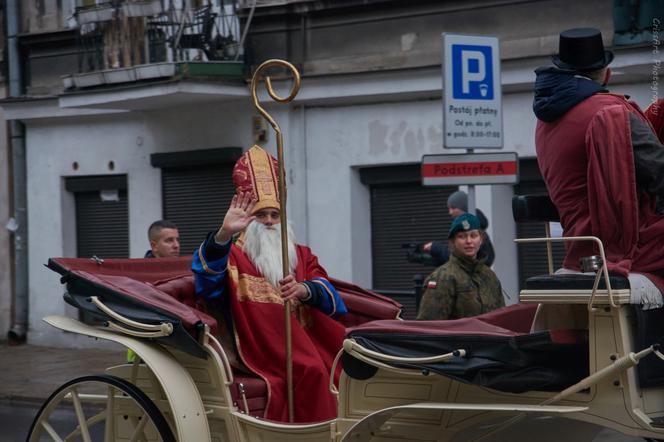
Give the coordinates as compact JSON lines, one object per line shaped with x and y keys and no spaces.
{"x":122,"y":34}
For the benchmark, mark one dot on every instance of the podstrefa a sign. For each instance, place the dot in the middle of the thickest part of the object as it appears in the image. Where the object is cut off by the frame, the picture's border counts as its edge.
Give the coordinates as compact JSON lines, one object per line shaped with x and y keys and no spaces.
{"x":470,"y":169}
{"x":472,"y":96}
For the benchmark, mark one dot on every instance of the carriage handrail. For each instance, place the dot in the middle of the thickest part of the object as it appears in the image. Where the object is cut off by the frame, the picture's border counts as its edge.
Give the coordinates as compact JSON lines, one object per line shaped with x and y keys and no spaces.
{"x":138,"y":334}
{"x":404,"y":371}
{"x":603,"y":271}
{"x":219,"y":350}
{"x":156,"y":330}
{"x":352,"y":347}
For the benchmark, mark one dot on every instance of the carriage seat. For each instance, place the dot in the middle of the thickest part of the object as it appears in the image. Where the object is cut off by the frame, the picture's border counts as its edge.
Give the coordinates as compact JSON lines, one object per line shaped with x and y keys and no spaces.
{"x":255,"y":392}
{"x":634,"y":289}
{"x":501,"y":352}
{"x":183,"y":288}
{"x":363,"y":306}
{"x":540,"y":208}
{"x":574,"y":281}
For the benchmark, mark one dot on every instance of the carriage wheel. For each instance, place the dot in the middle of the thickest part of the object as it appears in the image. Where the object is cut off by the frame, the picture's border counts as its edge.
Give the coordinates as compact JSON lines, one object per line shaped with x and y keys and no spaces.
{"x":99,"y":408}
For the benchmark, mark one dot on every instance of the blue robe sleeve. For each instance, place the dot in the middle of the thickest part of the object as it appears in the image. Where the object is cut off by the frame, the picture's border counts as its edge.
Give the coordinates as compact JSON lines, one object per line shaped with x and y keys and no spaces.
{"x":325,"y":297}
{"x":209,"y":266}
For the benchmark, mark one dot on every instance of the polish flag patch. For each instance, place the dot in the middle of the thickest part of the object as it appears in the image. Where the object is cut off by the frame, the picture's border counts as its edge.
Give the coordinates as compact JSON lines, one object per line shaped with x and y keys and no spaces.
{"x":432,"y":284}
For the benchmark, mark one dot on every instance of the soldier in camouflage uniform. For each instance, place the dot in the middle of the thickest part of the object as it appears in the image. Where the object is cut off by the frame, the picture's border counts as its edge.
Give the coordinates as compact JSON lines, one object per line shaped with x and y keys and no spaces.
{"x":464,"y":286}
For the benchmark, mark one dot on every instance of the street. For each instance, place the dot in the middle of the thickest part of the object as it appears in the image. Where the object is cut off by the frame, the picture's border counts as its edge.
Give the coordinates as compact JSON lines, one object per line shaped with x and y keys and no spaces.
{"x":15,"y":420}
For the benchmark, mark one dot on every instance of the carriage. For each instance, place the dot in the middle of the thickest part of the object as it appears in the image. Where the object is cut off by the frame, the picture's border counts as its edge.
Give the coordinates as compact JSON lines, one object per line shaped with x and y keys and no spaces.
{"x":577,"y":346}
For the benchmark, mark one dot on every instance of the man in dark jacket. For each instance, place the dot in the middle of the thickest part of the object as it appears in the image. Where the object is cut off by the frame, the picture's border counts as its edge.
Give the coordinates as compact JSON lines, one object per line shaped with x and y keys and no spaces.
{"x":457,"y":204}
{"x":602,"y":163}
{"x":164,"y":240}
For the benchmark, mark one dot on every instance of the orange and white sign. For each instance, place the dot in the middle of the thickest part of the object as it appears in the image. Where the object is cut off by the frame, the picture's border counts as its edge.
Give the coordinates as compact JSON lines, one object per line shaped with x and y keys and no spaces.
{"x":469,"y":169}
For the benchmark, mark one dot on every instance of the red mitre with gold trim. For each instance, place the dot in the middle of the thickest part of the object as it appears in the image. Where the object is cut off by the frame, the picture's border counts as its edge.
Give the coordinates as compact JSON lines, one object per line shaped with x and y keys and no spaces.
{"x":257,"y":172}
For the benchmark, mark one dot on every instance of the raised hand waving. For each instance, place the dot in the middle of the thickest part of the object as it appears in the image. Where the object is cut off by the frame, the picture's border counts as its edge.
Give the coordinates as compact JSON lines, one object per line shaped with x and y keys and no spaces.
{"x":237,"y":217}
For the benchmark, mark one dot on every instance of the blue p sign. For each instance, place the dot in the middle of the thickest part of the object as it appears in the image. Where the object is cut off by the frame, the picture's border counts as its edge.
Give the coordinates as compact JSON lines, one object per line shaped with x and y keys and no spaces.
{"x":472,"y":73}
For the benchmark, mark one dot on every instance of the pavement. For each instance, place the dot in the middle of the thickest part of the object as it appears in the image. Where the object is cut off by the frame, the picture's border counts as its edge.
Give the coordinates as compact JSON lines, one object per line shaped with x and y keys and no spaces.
{"x":30,"y":373}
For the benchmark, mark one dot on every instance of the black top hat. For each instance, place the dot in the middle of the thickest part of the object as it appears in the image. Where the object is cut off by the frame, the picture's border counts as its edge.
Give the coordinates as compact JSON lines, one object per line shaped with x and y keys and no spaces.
{"x":581,"y":49}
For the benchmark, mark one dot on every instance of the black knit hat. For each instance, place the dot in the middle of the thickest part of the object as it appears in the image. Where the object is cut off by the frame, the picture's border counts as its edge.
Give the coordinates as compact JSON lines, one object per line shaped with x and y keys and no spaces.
{"x":582,"y":49}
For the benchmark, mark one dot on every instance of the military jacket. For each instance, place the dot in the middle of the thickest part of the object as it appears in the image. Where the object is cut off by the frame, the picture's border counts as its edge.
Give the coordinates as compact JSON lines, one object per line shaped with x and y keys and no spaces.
{"x":460,"y":288}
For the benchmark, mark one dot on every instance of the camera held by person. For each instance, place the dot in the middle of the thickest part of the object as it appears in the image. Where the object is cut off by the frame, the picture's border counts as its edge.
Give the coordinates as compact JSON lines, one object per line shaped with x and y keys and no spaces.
{"x":417,"y":255}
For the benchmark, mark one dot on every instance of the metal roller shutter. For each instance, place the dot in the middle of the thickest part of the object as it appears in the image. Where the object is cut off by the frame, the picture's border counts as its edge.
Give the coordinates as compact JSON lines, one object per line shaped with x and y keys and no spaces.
{"x":196,"y":199}
{"x":102,"y":225}
{"x":402,"y":212}
{"x":532,"y":257}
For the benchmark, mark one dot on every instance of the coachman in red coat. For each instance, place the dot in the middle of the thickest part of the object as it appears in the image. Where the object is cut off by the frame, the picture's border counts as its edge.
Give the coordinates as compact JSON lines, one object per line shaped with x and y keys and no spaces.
{"x":601,"y":159}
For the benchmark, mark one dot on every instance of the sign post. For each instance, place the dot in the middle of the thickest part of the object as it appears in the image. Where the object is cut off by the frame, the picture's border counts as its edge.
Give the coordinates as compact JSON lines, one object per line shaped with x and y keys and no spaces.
{"x":472,"y":96}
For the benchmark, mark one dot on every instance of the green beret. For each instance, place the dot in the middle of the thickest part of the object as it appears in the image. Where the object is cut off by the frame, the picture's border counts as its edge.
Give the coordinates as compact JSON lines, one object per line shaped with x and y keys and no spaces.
{"x":464,"y":222}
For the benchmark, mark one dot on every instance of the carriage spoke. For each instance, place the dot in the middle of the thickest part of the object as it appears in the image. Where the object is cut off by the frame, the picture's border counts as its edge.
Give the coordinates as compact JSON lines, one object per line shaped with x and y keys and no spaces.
{"x":95,"y":400}
{"x":138,"y":435}
{"x":82,"y":422}
{"x":51,"y":432}
{"x":109,"y":429}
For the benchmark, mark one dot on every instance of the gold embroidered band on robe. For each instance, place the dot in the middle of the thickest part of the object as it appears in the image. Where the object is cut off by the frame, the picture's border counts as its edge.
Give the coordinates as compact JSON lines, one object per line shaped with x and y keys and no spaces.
{"x":254,"y":288}
{"x":258,"y":289}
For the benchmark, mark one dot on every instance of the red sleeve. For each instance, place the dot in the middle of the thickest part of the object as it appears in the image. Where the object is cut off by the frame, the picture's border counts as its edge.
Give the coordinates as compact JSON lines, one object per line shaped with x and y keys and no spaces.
{"x":612,"y":197}
{"x":308,"y":264}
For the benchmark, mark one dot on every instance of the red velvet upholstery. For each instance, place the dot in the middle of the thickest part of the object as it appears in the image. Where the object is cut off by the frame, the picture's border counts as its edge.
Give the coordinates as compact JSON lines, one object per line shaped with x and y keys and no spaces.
{"x":513,"y":320}
{"x":569,"y":336}
{"x":182,"y":288}
{"x":364,"y":305}
{"x":144,"y":270}
{"x":255,"y":390}
{"x":518,"y":318}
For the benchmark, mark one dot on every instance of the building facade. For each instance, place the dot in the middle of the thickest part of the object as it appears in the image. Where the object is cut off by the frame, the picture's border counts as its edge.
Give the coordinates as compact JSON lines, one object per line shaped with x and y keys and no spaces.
{"x":151,"y":130}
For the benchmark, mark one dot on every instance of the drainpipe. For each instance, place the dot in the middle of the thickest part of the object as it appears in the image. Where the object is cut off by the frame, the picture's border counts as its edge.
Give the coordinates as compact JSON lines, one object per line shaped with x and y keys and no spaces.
{"x":245,"y":31}
{"x":17,"y":332}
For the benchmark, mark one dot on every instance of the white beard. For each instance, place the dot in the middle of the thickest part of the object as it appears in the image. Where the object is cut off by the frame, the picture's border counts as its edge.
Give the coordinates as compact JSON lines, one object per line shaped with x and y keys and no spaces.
{"x":262,"y":244}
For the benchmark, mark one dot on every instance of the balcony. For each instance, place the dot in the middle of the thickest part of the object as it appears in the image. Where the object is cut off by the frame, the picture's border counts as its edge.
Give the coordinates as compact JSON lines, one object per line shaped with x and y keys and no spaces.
{"x":129,"y":42}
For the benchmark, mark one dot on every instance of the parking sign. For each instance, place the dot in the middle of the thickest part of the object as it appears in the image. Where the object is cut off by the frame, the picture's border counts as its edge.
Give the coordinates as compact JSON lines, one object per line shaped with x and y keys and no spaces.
{"x":472,"y":105}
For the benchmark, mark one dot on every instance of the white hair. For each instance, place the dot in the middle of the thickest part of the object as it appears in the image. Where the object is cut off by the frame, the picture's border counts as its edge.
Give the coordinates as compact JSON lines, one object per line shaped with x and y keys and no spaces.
{"x":262,"y":244}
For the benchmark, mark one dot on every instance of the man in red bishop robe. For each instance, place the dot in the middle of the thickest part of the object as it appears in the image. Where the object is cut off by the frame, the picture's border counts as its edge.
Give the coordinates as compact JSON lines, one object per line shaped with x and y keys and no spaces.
{"x":238,"y":271}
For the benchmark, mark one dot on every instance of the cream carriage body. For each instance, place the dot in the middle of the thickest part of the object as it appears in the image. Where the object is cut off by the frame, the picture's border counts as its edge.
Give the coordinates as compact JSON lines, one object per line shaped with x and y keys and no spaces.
{"x":576,"y":347}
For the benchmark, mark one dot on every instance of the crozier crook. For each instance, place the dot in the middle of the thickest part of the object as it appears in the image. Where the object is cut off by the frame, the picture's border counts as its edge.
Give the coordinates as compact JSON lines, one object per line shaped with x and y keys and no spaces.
{"x":282,"y":196}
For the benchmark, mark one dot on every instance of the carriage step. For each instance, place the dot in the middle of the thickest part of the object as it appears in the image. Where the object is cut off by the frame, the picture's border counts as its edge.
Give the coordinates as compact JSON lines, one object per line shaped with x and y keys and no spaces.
{"x":657,"y":422}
